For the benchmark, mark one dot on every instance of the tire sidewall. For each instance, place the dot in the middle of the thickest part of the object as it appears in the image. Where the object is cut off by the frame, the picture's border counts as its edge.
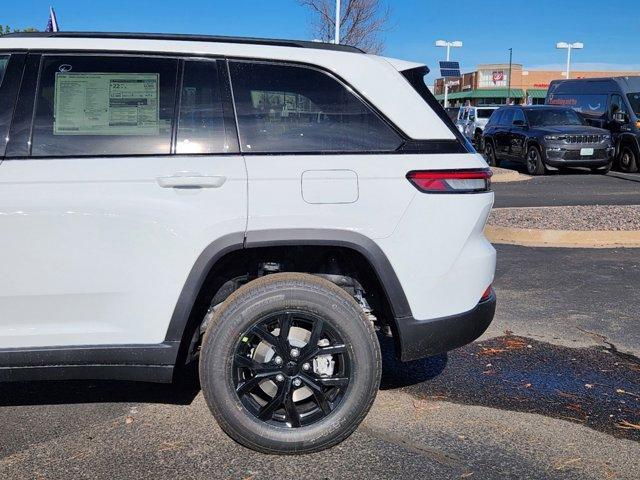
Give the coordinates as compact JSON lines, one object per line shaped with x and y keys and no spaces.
{"x":240,"y":314}
{"x":539,"y":167}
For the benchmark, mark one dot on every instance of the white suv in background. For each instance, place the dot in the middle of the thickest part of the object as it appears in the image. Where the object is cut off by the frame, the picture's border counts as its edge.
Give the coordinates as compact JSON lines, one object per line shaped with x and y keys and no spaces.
{"x":260,"y":207}
{"x":473,"y":122}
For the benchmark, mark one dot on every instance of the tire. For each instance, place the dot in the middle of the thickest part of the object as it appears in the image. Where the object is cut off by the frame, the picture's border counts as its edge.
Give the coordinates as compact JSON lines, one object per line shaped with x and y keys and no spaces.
{"x":601,"y":170}
{"x":477,"y":139}
{"x":250,"y":322}
{"x":490,"y":154}
{"x":628,"y":162}
{"x":534,"y":161}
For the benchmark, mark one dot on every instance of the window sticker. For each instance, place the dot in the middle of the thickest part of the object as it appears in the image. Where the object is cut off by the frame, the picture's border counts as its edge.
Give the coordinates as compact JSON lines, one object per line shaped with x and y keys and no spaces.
{"x":106,"y":104}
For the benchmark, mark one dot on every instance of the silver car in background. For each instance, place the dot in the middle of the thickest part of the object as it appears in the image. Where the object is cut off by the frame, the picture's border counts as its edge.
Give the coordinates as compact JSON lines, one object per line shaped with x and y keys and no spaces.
{"x":472,"y":120}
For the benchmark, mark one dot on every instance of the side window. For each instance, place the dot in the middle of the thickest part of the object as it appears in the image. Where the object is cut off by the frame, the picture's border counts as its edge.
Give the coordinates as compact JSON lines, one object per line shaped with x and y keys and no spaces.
{"x":507,"y":117}
{"x":617,"y":104}
{"x":4,"y":60}
{"x":201,"y":124}
{"x":98,"y":105}
{"x":285,"y":108}
{"x":519,"y":115}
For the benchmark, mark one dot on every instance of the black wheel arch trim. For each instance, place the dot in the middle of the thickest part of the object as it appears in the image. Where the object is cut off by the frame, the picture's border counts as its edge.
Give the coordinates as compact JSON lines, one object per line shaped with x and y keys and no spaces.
{"x":285,"y":237}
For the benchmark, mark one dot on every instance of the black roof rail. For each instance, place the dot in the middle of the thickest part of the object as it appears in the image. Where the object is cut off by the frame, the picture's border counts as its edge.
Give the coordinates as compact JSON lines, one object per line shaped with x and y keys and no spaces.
{"x":190,"y":38}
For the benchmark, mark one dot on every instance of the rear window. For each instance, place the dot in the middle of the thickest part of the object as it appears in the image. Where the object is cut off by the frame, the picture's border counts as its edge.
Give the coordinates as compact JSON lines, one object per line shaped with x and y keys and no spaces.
{"x":287,"y":108}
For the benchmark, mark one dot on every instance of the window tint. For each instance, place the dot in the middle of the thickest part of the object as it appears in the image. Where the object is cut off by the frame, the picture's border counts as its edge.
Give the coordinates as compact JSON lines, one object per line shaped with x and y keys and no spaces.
{"x":518,"y":115}
{"x":96,"y":105}
{"x":547,"y":117}
{"x":484,"y":112}
{"x":507,"y":117}
{"x":4,"y":60}
{"x":201,"y":124}
{"x":634,"y":100}
{"x":283,"y":108}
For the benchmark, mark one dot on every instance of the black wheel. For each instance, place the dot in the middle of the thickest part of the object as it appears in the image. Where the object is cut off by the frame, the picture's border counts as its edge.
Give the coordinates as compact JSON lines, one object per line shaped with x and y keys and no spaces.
{"x":601,"y":170}
{"x":534,"y":161}
{"x":628,"y":162}
{"x":490,"y":154}
{"x":290,"y":364}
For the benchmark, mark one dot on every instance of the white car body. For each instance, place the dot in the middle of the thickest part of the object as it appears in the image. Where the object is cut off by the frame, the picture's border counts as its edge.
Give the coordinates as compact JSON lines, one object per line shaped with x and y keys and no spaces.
{"x":97,"y":250}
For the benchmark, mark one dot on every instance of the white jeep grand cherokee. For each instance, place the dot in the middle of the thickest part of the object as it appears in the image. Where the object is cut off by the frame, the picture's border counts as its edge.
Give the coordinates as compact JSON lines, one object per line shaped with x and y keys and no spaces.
{"x":264,"y":208}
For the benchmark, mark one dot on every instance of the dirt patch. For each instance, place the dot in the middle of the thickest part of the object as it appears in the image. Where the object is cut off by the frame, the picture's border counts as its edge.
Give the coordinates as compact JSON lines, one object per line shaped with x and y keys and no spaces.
{"x":580,"y":218}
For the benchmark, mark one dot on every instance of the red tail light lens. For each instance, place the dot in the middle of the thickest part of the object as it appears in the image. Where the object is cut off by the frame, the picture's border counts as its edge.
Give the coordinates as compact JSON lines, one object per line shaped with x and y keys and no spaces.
{"x":487,"y":294}
{"x":452,"y":181}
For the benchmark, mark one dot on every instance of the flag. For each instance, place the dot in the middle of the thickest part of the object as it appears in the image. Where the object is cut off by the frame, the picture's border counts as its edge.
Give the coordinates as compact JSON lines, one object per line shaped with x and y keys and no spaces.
{"x":52,"y":24}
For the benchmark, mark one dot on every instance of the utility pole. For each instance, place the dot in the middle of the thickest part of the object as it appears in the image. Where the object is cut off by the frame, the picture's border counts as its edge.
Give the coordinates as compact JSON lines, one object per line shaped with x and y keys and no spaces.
{"x":336,"y":38}
{"x":509,"y":79}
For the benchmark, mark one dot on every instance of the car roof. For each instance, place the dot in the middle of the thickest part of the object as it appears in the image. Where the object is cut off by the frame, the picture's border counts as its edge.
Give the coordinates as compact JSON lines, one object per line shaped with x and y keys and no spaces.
{"x":191,"y":38}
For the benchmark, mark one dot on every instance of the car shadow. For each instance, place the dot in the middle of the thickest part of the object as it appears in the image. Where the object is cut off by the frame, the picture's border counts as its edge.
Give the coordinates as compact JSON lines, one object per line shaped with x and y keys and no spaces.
{"x":59,"y":392}
{"x":395,"y":374}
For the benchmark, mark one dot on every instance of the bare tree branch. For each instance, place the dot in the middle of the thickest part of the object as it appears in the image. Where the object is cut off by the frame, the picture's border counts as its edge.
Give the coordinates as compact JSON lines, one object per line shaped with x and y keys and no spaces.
{"x":362,"y":22}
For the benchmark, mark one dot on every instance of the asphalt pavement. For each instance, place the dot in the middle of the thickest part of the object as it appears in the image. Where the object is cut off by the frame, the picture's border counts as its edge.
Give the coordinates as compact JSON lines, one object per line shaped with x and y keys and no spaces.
{"x":575,"y":187}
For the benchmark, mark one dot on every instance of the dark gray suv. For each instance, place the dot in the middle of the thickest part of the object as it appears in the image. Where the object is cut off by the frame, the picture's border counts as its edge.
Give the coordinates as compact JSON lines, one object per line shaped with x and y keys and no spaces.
{"x":546,"y":138}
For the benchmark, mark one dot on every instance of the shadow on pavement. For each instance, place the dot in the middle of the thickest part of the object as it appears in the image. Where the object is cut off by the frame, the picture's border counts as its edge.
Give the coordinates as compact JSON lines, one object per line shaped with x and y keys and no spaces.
{"x":99,"y":391}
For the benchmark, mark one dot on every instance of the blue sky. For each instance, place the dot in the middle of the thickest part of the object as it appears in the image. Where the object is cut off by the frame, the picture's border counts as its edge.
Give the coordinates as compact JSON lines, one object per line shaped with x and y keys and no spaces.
{"x":608,"y":28}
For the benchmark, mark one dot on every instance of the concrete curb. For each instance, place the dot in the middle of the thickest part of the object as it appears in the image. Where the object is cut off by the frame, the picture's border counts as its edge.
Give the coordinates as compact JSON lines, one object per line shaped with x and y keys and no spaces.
{"x":563,"y":238}
{"x":504,"y":175}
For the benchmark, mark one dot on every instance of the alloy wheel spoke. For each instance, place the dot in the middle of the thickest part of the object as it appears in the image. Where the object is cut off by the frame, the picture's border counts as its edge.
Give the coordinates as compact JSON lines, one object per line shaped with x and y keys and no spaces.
{"x":249,"y":384}
{"x":292,"y":412}
{"x":255,"y":367}
{"x":318,"y":391}
{"x":332,"y":350}
{"x":271,"y":339}
{"x":266,"y":412}
{"x":334,"y":381}
{"x":285,"y":327}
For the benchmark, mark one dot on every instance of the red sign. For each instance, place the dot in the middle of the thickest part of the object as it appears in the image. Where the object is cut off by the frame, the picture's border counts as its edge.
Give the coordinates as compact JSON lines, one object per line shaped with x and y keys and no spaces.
{"x":498,"y":76}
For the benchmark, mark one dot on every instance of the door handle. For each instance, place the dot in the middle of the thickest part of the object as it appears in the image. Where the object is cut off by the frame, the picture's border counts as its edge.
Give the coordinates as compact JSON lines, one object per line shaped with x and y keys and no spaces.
{"x":191,"y":180}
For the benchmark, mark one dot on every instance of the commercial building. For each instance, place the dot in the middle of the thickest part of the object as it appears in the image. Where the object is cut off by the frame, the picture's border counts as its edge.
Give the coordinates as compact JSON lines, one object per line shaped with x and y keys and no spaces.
{"x":489,"y":84}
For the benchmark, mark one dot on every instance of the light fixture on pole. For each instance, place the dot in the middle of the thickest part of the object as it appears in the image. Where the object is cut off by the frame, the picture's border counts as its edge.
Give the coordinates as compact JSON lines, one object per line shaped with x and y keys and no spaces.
{"x":336,"y":38}
{"x":448,"y":45}
{"x":569,"y":47}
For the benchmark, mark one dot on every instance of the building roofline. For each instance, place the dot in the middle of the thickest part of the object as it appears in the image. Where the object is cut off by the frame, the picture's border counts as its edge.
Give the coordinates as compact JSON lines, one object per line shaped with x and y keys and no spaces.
{"x":190,"y":38}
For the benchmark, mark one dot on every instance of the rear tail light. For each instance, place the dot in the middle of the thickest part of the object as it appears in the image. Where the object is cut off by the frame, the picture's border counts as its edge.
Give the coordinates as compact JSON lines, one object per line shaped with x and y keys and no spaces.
{"x":451,"y":181}
{"x":487,"y":294}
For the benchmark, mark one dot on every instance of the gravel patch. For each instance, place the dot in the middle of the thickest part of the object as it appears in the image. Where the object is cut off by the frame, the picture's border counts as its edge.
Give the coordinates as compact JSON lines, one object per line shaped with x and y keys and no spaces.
{"x":583,"y":218}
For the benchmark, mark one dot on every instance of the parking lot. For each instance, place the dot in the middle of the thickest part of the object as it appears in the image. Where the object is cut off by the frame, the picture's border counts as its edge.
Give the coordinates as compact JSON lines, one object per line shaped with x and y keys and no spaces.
{"x":552,"y":390}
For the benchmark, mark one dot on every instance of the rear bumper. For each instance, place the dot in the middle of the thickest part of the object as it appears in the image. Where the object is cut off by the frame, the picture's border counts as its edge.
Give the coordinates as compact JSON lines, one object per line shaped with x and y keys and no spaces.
{"x":423,"y":338}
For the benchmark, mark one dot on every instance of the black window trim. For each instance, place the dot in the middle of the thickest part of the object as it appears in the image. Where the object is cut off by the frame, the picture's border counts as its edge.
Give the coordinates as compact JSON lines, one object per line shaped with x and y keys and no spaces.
{"x":10,"y":83}
{"x":408,"y":145}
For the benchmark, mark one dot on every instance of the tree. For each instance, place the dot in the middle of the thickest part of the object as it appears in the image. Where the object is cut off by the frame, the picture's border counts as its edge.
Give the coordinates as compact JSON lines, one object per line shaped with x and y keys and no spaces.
{"x":362,"y":22}
{"x":6,"y":29}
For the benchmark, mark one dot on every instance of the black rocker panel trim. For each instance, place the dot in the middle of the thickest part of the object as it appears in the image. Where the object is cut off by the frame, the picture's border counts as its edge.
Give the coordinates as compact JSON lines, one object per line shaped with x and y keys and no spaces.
{"x":153,"y":363}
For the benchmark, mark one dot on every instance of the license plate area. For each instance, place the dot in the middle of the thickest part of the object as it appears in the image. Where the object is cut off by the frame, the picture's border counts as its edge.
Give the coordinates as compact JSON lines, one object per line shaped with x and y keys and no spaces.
{"x":586,"y":152}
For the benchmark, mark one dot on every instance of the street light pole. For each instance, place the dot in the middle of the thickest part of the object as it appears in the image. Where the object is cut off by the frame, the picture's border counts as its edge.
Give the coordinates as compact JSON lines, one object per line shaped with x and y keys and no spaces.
{"x":448,"y":45}
{"x":336,"y":38}
{"x":509,"y":79}
{"x":569,"y":47}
